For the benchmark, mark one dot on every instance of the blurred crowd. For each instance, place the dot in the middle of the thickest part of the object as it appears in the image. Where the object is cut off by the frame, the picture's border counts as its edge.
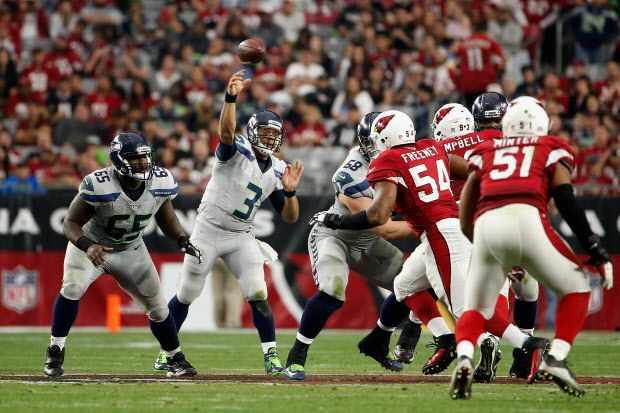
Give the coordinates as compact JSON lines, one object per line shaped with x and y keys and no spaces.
{"x":74,"y":73}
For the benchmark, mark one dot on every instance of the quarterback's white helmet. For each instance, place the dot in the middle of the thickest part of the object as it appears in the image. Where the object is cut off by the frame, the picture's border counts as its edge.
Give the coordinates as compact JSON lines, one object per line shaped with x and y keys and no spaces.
{"x":451,"y":120}
{"x":391,"y":128}
{"x":522,"y":99}
{"x":525,"y":119}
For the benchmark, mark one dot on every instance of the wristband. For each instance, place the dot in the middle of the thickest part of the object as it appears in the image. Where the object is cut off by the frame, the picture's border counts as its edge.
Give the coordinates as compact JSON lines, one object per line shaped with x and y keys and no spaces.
{"x":182,"y":241}
{"x":84,"y":243}
{"x":228,"y":98}
{"x":289,"y":194}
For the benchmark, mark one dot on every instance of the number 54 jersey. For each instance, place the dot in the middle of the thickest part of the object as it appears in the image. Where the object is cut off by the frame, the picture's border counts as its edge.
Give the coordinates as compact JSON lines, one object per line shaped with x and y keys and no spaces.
{"x":238,"y":187}
{"x":518,"y":170}
{"x":421,"y":173}
{"x":120,"y":221}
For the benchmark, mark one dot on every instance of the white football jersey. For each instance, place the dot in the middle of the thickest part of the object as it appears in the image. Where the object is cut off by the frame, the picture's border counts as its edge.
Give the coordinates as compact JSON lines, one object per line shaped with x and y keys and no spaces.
{"x":350,"y":180}
{"x":120,"y":221}
{"x":238,"y":187}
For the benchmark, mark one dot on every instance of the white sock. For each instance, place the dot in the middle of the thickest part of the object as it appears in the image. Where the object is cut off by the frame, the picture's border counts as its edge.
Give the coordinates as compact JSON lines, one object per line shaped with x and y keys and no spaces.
{"x":465,"y":348}
{"x":514,"y":336}
{"x":58,"y":341}
{"x":559,"y":349}
{"x":527,"y":331}
{"x":304,"y":339}
{"x":384,"y":327}
{"x":414,"y":318}
{"x":438,"y":327}
{"x":266,"y":346}
{"x":482,"y":337}
{"x":173,"y":352}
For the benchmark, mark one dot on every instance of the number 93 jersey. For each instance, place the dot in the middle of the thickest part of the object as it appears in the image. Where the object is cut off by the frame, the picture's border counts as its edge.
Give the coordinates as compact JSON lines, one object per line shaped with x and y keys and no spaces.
{"x":119,"y":221}
{"x":238,"y":187}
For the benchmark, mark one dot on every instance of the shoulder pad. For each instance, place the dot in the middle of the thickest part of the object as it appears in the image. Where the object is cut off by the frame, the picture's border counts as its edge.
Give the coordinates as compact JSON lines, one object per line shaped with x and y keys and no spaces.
{"x":99,"y":187}
{"x":163,"y":183}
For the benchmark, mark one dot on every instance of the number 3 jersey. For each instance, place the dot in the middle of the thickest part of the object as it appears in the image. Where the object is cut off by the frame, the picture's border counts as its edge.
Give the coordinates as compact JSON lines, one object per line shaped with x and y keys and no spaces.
{"x":421,"y":174}
{"x":518,"y":170}
{"x":238,"y":187}
{"x":119,"y":221}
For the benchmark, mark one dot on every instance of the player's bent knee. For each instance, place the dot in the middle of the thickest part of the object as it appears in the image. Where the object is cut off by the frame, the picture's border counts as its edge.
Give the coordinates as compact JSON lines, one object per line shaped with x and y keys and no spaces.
{"x":260,"y":295}
{"x":334,"y":286}
{"x":72,"y":291}
{"x":158,"y":313}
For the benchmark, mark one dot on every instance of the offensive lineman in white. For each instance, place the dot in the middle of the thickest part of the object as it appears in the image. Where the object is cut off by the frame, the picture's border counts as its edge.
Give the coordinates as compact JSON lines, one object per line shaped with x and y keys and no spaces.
{"x":245,"y":174}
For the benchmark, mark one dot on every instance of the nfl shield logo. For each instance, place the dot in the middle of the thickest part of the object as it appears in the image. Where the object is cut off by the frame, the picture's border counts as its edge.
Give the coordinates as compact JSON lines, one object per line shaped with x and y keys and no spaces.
{"x":20,"y":289}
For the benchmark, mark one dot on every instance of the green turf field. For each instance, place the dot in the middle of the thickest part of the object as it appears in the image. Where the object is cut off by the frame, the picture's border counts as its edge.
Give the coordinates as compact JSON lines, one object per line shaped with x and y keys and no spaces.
{"x":595,"y":355}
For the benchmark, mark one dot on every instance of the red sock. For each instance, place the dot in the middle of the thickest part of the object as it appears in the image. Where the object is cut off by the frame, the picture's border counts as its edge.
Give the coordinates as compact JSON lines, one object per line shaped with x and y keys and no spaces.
{"x":497,"y":324}
{"x":423,"y":306}
{"x":469,"y":326}
{"x":572,"y":312}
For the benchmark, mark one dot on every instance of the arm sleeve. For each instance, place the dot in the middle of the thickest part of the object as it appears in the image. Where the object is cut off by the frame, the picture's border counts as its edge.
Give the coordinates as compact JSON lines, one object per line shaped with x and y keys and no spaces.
{"x":572,"y":213}
{"x":277,"y":200}
{"x":225,"y":152}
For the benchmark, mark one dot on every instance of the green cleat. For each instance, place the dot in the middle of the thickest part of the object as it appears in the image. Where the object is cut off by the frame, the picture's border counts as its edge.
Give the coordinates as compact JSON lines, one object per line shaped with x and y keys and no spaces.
{"x":295,"y":372}
{"x":273,"y":365}
{"x":161,"y":362}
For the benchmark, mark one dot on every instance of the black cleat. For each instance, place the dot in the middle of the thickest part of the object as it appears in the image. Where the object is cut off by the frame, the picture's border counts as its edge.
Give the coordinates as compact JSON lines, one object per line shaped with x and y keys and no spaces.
{"x":490,"y":355}
{"x":558,"y":371}
{"x":445,"y":352}
{"x":179,"y":367}
{"x":528,"y":358}
{"x":55,"y":357}
{"x":407,"y":342}
{"x":462,"y":377}
{"x":373,"y":346}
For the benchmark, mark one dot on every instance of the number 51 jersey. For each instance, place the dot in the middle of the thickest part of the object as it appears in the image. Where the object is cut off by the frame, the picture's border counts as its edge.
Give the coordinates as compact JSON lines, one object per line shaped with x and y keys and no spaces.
{"x":518,"y":170}
{"x":237,"y":188}
{"x":120,"y":221}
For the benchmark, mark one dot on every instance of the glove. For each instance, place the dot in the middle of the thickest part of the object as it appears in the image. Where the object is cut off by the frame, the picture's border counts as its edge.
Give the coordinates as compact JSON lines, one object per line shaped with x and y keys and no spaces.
{"x":516,"y":274}
{"x":189,"y":248}
{"x":326,"y":218}
{"x":599,"y":259}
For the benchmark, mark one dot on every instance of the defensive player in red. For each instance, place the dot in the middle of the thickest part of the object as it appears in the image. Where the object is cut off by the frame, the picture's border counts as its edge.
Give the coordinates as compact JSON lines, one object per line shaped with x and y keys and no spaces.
{"x":506,"y":195}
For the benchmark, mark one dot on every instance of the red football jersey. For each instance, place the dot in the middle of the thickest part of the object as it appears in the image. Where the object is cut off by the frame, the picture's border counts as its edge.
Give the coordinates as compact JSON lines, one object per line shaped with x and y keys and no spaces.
{"x":421,"y":172}
{"x":518,"y":170}
{"x":463,"y":146}
{"x":479,"y":56}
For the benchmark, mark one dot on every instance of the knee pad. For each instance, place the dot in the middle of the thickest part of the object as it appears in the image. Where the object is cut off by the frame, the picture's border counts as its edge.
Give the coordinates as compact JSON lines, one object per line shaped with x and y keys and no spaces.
{"x":71,"y":291}
{"x":158,"y":314}
{"x":526,"y":290}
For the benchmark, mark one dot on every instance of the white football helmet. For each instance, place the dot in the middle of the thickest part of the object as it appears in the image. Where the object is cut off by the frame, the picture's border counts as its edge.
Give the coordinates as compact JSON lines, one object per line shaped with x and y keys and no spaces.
{"x":391,"y":128}
{"x":526,"y":118}
{"x":521,"y":99}
{"x":451,"y":120}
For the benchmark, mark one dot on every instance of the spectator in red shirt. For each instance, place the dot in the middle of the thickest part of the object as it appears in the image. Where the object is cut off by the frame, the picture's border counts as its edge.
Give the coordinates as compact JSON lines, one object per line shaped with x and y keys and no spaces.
{"x":481,"y":61}
{"x":311,"y":132}
{"x":61,"y":58}
{"x":105,"y":100}
{"x":551,"y":91}
{"x":39,"y":75}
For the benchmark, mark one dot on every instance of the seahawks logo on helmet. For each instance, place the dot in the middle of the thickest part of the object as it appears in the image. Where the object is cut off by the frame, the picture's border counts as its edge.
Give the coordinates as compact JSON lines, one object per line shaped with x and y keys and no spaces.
{"x":130,"y":145}
{"x":265,"y":131}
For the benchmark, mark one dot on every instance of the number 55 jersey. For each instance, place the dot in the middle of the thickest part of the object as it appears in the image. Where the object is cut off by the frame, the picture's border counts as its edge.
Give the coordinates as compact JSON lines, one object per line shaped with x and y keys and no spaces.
{"x":120,"y":221}
{"x":238,"y":187}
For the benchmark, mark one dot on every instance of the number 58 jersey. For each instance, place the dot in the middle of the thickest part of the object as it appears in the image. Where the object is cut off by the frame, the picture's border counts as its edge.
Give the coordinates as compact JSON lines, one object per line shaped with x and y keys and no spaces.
{"x":518,"y":170}
{"x":421,"y":173}
{"x":120,"y":221}
{"x":238,"y":187}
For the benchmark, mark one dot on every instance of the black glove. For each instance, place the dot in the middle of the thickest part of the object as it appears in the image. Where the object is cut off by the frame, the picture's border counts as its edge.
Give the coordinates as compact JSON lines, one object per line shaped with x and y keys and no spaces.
{"x":597,"y":252}
{"x":189,"y":248}
{"x":326,"y":218}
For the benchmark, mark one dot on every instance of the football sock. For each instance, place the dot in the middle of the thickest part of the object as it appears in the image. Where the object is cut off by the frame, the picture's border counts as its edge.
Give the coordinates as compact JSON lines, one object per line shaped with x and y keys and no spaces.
{"x":559,"y":349}
{"x":172,"y":352}
{"x":514,"y":336}
{"x":318,"y":310}
{"x":392,"y":312}
{"x":525,"y":315}
{"x":572,"y":312}
{"x":410,"y":335}
{"x":179,"y":311}
{"x":465,"y":348}
{"x":166,"y":333}
{"x":263,"y":320}
{"x":438,"y":327}
{"x":299,"y":351}
{"x":58,"y":341}
{"x":468,"y":328}
{"x":64,"y":313}
{"x":423,"y":306}
{"x":267,"y":345}
{"x":498,"y":323}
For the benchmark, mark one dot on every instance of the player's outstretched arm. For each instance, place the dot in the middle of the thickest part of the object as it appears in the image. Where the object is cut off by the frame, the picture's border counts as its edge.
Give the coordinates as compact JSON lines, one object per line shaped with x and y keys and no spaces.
{"x":169,"y":224}
{"x":573,"y":214}
{"x":391,"y":230}
{"x":80,"y":213}
{"x":290,"y":181}
{"x":467,"y":209}
{"x":228,"y":119}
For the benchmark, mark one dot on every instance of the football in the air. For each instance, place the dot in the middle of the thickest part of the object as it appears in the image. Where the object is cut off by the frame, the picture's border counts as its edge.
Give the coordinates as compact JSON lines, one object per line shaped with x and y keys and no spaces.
{"x":251,"y":51}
